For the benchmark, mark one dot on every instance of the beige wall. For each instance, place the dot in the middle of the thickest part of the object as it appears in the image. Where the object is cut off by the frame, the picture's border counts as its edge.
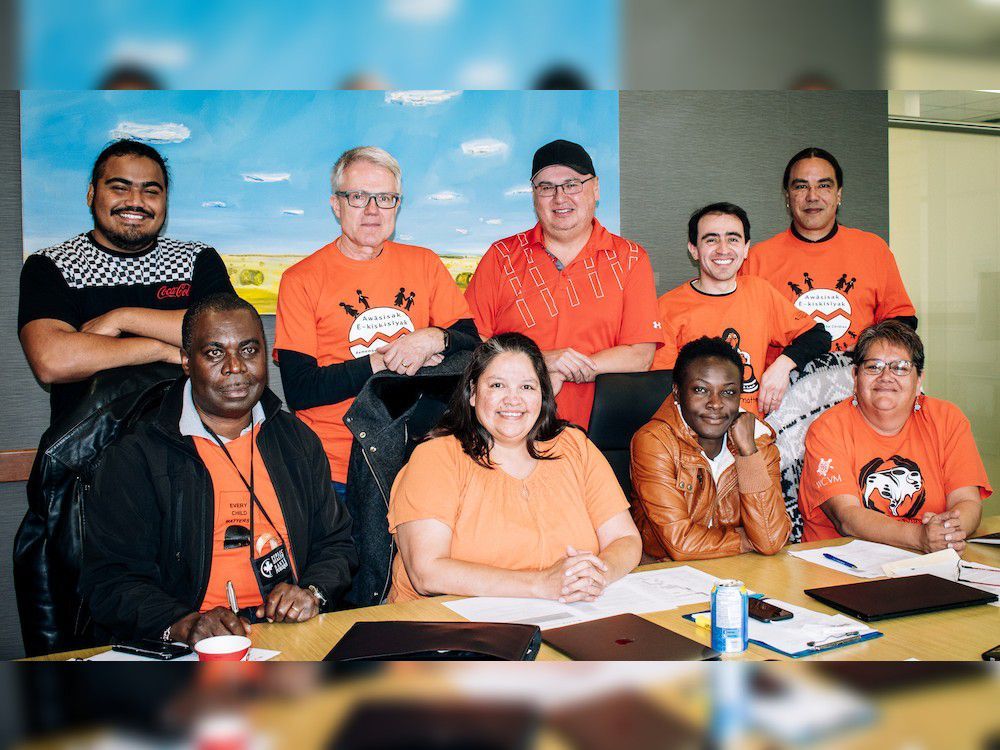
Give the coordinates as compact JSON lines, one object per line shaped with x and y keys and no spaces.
{"x":944,"y":224}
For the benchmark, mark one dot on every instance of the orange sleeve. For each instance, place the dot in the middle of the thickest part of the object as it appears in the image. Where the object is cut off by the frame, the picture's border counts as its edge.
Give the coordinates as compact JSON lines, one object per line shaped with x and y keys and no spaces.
{"x":428,"y":486}
{"x":481,"y":294}
{"x":295,"y":318}
{"x":827,"y":470}
{"x":963,"y":466}
{"x":602,"y":493}
{"x":787,"y":321}
{"x":639,"y":312}
{"x":447,"y":303}
{"x":666,"y":355}
{"x":891,"y":300}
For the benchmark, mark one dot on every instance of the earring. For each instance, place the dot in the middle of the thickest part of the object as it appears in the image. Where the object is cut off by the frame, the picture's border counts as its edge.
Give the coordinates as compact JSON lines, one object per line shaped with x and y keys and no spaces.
{"x":854,"y":399}
{"x":916,"y":405}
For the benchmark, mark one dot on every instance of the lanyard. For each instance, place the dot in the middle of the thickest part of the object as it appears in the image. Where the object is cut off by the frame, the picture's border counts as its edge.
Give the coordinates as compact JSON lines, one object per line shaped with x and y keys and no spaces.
{"x":249,"y":485}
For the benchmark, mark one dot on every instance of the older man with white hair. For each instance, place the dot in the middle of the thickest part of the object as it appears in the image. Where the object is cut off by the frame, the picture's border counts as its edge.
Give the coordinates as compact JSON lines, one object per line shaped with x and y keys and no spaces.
{"x":362,"y":304}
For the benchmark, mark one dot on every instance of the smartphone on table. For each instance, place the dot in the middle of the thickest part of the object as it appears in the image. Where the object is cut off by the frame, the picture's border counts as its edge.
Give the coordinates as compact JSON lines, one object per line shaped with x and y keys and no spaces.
{"x":152,"y":649}
{"x":763,"y":611}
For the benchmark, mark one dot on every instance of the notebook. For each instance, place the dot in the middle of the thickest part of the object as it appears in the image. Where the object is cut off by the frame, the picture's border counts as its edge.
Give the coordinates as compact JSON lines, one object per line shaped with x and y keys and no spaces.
{"x":897,"y":597}
{"x":625,"y":637}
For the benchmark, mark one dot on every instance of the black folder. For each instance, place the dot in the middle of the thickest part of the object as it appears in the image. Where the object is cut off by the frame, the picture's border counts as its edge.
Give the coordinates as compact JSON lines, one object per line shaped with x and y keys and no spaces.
{"x":898,"y":597}
{"x":625,"y":638}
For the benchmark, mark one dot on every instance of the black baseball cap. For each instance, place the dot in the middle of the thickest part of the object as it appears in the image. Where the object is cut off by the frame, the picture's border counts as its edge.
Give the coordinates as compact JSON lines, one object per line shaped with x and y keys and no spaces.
{"x":566,"y":153}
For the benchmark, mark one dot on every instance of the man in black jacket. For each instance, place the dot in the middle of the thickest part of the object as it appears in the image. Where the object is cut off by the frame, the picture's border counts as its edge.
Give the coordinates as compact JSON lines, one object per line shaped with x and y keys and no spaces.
{"x":223,"y":493}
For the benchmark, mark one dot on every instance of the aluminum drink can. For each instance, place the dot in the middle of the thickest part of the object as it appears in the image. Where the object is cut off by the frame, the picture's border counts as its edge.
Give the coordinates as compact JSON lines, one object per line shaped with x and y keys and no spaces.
{"x":729,"y":617}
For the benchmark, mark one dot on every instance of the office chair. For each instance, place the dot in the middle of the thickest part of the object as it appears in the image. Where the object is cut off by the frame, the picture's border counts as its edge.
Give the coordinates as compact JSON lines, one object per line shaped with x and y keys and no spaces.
{"x":624,"y":402}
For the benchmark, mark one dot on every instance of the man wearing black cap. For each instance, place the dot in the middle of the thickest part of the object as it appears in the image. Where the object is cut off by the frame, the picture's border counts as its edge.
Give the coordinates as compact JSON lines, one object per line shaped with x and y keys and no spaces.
{"x":585,"y":296}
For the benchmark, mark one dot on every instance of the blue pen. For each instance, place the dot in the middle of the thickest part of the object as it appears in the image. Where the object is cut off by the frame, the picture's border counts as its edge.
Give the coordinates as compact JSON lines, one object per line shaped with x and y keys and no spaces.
{"x":828,"y":556}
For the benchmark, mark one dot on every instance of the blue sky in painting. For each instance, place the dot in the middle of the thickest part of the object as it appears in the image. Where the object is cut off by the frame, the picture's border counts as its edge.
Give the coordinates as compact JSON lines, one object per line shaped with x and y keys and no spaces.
{"x":454,"y":201}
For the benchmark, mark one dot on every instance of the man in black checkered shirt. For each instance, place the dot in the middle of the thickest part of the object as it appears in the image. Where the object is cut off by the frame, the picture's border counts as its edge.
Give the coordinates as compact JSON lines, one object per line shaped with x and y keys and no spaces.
{"x":113,"y":296}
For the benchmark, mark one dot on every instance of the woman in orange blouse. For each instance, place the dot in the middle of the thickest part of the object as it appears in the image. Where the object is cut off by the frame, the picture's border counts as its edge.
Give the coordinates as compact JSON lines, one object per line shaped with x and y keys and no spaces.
{"x":506,"y":499}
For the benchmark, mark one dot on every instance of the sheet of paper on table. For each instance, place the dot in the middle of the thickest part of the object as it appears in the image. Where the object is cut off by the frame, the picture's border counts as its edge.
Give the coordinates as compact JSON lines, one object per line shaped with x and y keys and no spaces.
{"x":946,"y":563}
{"x":649,"y":591}
{"x":256,"y":654}
{"x":988,"y":539}
{"x":868,"y":557}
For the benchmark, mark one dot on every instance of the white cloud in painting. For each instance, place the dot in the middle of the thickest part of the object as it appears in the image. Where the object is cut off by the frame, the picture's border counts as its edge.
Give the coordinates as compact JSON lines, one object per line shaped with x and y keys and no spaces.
{"x":519,"y":190}
{"x":491,"y":221}
{"x":266,"y":176}
{"x":292,"y":211}
{"x":406,"y":237}
{"x":152,"y":53}
{"x":161,"y":132}
{"x":213,"y":204}
{"x":485,"y":74}
{"x":461,"y":231}
{"x":420,"y":11}
{"x":419,"y":98}
{"x":485,"y":147}
{"x":444,"y":196}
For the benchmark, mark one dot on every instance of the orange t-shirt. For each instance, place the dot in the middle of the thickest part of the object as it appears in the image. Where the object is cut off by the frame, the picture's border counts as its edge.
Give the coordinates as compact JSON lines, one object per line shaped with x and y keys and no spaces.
{"x":232,"y":520}
{"x":847,"y":282}
{"x":750,"y":317}
{"x":902,"y":476}
{"x":502,"y":521}
{"x":604,"y":298}
{"x":335,"y":309}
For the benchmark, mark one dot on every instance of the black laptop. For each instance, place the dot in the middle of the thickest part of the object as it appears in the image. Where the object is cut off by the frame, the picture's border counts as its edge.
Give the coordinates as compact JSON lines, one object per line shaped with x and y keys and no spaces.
{"x":898,"y":597}
{"x":625,"y":638}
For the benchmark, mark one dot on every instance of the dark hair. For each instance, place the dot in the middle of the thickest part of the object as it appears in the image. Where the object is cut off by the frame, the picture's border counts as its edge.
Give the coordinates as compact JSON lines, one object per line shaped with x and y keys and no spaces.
{"x":813,"y":152}
{"x":126,"y":147}
{"x":727,"y":209}
{"x":460,"y":418}
{"x":891,"y":332}
{"x":704,"y":348}
{"x":218,"y":302}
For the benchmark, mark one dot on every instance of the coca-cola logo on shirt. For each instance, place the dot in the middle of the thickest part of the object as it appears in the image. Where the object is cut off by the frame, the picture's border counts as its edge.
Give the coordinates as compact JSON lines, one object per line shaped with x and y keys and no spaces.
{"x":169,"y":292}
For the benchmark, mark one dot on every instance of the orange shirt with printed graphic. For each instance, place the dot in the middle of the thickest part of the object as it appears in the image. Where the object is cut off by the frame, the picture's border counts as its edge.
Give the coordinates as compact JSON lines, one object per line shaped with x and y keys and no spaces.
{"x":231,"y":528}
{"x":502,"y":521}
{"x":901,"y":476}
{"x":604,"y":298}
{"x":334,"y":309}
{"x":847,"y":282}
{"x":750,"y":318}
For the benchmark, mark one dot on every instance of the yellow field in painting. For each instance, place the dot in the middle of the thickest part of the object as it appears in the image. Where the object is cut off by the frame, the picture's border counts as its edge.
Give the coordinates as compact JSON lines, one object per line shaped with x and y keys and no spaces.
{"x":256,"y":276}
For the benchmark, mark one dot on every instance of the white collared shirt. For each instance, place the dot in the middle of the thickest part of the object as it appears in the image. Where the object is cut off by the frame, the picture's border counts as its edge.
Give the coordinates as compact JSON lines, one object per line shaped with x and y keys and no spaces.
{"x":191,"y":424}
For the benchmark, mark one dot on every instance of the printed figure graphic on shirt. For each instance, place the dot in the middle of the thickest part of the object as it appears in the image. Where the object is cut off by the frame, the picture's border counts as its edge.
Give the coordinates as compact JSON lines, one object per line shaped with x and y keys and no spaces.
{"x":893,"y":486}
{"x":850,"y":276}
{"x":584,"y":295}
{"x":732,"y":337}
{"x":403,"y":309}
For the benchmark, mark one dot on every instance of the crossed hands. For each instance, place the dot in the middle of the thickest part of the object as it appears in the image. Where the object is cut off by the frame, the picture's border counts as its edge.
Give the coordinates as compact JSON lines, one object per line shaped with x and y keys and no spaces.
{"x":941,"y":531}
{"x":578,"y":577}
{"x":286,"y":603}
{"x":570,"y":365}
{"x":407,"y":354}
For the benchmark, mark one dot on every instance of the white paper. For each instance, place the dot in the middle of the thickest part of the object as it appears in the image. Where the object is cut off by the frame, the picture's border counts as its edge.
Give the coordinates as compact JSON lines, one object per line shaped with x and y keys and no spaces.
{"x":991,"y":539}
{"x":869,"y":557}
{"x":255,"y":654}
{"x":793,"y":636}
{"x":947,"y":564}
{"x":650,"y":591}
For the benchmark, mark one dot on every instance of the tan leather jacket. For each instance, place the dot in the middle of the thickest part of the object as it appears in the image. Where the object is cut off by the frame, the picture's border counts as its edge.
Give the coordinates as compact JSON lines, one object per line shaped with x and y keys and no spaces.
{"x":680,"y":511}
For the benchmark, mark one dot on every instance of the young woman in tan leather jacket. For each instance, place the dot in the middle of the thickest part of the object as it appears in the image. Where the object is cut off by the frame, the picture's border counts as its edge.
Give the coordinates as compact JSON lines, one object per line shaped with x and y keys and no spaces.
{"x":706,"y":475}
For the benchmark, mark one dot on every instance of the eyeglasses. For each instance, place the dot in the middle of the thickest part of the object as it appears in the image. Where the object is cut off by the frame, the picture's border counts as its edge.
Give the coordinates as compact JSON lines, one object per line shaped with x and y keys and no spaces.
{"x":570,"y":187}
{"x":876,"y":367}
{"x":361,"y":199}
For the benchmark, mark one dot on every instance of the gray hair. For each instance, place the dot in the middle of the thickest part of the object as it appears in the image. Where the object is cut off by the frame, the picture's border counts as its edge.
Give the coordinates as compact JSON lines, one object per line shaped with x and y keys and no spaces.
{"x":373,"y":154}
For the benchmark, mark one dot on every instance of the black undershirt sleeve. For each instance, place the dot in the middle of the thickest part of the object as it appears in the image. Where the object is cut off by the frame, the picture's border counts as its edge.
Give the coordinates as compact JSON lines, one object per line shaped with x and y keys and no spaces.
{"x":908,"y":320}
{"x":44,"y":293}
{"x":209,"y":276}
{"x":306,"y":384}
{"x":807,"y":346}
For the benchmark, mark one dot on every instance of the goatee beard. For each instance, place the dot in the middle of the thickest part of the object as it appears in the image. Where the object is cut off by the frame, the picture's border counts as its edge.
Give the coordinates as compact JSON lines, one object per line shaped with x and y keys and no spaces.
{"x":129,"y":241}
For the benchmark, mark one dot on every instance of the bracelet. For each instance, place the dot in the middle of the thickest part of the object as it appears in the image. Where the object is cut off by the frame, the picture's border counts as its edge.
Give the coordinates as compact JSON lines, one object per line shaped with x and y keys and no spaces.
{"x":165,"y":635}
{"x":320,"y":599}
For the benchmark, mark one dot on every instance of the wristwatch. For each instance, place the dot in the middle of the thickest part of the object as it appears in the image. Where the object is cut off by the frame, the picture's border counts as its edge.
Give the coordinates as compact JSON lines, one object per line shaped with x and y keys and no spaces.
{"x":447,"y":338}
{"x":165,"y":635}
{"x":320,"y":598}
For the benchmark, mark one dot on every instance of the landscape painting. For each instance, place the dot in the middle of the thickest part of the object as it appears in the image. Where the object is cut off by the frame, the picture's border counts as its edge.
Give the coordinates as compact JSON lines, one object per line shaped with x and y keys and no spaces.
{"x":250,"y":170}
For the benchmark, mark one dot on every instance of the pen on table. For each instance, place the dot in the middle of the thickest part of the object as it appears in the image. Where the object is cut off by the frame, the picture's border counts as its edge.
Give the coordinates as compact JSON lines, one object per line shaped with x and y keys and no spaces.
{"x":828,"y":556}
{"x":231,"y":595}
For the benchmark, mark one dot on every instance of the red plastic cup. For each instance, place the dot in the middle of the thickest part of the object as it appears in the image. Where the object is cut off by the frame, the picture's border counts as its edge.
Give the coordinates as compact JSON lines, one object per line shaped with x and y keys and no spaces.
{"x":223,"y":648}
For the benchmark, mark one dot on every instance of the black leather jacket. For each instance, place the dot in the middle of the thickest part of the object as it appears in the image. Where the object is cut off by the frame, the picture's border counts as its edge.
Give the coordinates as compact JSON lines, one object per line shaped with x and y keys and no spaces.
{"x":149,"y":521}
{"x":47,"y":547}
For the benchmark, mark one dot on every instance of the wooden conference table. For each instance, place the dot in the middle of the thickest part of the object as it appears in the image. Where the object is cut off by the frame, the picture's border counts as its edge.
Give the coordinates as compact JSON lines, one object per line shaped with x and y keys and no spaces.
{"x":958,"y":634}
